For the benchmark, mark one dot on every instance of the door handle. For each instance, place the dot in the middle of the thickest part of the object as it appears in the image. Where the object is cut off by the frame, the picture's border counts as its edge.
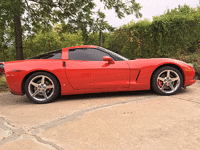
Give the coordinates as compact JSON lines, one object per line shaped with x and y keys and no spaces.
{"x":64,"y":64}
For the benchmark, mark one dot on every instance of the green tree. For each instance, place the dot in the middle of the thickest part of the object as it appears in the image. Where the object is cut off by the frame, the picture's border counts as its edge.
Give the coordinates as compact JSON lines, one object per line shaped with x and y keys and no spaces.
{"x":93,"y":39}
{"x":45,"y":41}
{"x":76,"y":13}
{"x":6,"y":39}
{"x":100,"y":25}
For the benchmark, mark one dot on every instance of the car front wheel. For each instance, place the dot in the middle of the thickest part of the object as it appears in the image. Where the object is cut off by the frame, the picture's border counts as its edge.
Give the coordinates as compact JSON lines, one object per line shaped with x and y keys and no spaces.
{"x":41,"y":87}
{"x":167,"y":81}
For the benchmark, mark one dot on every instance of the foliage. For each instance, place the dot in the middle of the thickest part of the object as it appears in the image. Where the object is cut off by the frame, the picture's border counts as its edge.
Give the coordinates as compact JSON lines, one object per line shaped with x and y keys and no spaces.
{"x":74,"y":16}
{"x":100,"y":24}
{"x":3,"y":80}
{"x":6,"y":39}
{"x":174,"y":34}
{"x":129,"y":39}
{"x":193,"y":58}
{"x":3,"y":84}
{"x":46,"y":41}
{"x":93,"y":39}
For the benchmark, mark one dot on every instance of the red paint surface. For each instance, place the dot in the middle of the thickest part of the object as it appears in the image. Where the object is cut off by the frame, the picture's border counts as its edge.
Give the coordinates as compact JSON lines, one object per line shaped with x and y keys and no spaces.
{"x":92,"y":76}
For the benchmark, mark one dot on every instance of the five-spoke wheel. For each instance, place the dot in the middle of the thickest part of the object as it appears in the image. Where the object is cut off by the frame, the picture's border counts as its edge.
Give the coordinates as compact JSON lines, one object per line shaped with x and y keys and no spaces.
{"x":167,"y":80}
{"x":41,"y":87}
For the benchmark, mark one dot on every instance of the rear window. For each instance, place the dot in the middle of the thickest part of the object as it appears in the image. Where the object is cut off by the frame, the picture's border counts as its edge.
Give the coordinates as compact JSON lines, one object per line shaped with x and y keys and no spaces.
{"x":57,"y":54}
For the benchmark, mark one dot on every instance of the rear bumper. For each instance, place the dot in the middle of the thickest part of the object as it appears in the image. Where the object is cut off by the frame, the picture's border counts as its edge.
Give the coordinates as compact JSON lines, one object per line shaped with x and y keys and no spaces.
{"x":14,"y":84}
{"x":15,"y":93}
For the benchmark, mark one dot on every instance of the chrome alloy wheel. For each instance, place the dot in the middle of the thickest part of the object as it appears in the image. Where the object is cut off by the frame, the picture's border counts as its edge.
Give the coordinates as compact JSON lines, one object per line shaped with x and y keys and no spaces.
{"x":41,"y":88}
{"x":168,"y":81}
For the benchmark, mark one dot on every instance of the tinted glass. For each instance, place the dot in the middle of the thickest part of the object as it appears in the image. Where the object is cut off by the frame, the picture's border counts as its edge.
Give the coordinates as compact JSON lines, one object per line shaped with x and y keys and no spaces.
{"x":50,"y":55}
{"x":87,"y":54}
{"x":116,"y":56}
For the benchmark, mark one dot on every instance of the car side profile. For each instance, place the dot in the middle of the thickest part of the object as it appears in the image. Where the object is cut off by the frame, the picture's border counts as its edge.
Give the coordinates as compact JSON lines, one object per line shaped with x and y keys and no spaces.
{"x":93,"y":69}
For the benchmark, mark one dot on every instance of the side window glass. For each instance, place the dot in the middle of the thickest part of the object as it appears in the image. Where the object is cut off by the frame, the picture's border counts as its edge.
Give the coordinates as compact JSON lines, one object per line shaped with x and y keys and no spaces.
{"x":50,"y":55}
{"x":87,"y":54}
{"x":78,"y":54}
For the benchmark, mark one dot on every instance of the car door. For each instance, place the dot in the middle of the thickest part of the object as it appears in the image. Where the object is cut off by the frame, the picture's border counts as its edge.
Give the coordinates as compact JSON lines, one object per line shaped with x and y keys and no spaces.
{"x":86,"y":69}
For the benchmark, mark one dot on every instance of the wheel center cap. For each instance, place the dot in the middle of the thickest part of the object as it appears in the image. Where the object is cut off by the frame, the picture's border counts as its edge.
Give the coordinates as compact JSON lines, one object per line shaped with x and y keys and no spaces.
{"x":167,"y":82}
{"x":42,"y":87}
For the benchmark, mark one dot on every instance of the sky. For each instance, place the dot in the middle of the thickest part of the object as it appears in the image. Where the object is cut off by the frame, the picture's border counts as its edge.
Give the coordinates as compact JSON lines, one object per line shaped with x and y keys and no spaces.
{"x":149,"y":9}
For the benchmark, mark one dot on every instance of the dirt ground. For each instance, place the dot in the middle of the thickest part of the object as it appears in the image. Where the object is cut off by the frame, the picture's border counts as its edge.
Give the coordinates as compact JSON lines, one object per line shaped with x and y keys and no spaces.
{"x":125,"y":120}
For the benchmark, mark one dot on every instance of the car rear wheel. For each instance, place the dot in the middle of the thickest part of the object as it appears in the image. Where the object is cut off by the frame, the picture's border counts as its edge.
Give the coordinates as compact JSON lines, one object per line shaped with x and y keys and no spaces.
{"x":41,"y":87}
{"x":167,"y":81}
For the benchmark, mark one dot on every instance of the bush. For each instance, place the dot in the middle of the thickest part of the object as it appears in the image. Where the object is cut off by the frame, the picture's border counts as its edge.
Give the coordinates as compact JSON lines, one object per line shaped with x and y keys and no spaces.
{"x":175,"y":33}
{"x":3,"y":80}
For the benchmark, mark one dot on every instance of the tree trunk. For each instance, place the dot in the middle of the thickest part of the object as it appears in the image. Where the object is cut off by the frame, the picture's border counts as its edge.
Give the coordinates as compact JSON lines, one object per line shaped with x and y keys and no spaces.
{"x":18,"y":38}
{"x":100,"y":38}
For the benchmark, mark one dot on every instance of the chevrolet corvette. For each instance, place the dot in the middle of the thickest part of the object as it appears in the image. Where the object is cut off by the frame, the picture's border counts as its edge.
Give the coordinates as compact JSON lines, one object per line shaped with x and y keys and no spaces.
{"x":93,"y":69}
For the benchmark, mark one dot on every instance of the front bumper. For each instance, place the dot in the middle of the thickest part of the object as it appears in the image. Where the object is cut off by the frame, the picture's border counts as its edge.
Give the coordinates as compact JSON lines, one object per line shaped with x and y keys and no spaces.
{"x":189,"y":76}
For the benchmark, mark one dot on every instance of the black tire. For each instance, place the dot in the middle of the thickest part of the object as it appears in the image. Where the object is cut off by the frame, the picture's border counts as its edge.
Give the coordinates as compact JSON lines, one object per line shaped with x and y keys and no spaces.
{"x":167,"y":81}
{"x":34,"y":85}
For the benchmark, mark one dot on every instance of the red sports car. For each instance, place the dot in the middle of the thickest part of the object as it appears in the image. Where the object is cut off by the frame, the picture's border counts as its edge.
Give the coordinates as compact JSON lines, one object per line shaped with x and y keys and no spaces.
{"x":93,"y":69}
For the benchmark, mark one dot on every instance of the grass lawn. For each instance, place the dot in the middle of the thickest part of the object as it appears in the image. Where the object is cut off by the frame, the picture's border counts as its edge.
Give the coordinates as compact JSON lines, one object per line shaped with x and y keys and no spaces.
{"x":3,"y":84}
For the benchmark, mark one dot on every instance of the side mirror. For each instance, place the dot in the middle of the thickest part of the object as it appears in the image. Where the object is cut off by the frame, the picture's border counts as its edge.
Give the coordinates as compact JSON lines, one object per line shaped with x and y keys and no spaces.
{"x":109,"y":59}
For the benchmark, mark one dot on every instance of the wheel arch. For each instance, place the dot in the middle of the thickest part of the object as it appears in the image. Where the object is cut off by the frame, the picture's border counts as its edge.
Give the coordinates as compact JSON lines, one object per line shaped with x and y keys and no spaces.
{"x":29,"y":74}
{"x":171,"y":65}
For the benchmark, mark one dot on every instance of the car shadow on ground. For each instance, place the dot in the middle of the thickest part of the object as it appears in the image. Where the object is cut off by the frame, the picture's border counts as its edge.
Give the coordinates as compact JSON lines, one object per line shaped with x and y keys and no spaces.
{"x":94,"y":96}
{"x":105,"y":95}
{"x":10,"y":99}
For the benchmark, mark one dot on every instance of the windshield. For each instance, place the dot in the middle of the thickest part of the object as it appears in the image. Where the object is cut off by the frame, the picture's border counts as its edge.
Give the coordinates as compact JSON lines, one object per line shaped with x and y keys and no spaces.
{"x":114,"y":54}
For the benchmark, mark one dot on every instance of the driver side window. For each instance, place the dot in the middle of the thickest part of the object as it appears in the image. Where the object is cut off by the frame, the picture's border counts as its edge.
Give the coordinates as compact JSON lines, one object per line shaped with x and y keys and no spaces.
{"x":87,"y":54}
